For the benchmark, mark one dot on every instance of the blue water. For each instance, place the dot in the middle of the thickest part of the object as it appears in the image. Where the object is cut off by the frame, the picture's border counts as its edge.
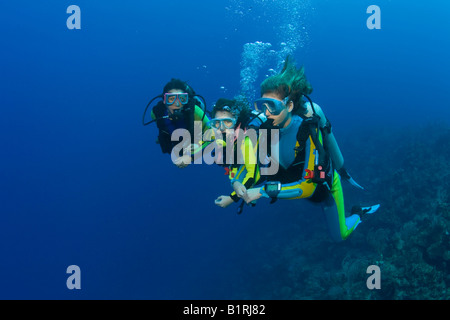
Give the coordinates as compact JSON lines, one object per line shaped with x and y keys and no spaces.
{"x":84,"y":183}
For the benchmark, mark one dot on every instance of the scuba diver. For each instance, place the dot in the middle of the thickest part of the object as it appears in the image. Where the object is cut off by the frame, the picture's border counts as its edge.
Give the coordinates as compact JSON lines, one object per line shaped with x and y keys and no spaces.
{"x":310,"y":163}
{"x":232,"y":121}
{"x":179,"y":108}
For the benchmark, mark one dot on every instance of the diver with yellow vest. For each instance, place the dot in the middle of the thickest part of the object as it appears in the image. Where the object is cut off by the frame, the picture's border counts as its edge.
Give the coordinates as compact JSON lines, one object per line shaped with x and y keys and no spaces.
{"x":231,"y":120}
{"x":310,"y":162}
{"x":179,"y":107}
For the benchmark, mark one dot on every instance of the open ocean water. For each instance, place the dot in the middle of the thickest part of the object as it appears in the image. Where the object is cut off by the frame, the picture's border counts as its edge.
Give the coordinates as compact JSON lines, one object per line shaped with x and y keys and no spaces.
{"x":84,"y":184}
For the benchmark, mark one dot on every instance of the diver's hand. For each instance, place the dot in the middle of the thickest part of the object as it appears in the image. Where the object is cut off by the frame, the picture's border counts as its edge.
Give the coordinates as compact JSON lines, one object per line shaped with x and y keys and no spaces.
{"x":183,"y":161}
{"x":240,"y":189}
{"x":252,"y":195}
{"x":223,"y":201}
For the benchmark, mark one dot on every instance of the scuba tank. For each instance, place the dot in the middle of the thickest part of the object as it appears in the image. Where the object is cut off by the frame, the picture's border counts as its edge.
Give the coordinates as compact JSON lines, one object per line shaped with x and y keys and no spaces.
{"x":332,"y":148}
{"x":329,"y":140}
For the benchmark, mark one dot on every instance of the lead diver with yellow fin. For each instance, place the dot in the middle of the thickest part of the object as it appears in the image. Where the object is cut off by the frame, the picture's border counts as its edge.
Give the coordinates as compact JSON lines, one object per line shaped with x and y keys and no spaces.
{"x":310,"y":162}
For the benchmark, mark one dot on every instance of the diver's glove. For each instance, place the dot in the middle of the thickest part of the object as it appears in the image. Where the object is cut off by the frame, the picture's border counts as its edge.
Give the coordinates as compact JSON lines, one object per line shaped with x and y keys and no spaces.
{"x":183,"y":161}
{"x":239,"y":188}
{"x":223,"y":201}
{"x":252,"y":195}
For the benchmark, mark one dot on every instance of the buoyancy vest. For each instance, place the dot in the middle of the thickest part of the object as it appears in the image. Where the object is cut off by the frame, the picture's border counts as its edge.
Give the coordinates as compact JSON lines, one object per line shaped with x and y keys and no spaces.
{"x":167,"y":125}
{"x":314,"y":168}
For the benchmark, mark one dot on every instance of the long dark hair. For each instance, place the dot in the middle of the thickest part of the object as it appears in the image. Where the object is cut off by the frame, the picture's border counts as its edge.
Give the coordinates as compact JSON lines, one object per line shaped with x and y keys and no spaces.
{"x":290,"y":82}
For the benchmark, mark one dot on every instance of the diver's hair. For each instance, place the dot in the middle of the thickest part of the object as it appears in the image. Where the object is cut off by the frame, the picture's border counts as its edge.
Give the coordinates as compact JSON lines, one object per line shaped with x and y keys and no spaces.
{"x":290,"y":82}
{"x":237,"y":107}
{"x":178,"y":84}
{"x":181,"y":85}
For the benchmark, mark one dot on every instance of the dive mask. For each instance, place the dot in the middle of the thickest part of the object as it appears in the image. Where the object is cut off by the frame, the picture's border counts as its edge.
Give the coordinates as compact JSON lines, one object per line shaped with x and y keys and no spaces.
{"x":170,"y":98}
{"x":273,"y":106}
{"x":222,"y":123}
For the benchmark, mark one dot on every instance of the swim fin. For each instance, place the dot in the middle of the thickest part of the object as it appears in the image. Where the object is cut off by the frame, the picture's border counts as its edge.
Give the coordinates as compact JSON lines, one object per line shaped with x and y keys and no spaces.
{"x":361,"y":211}
{"x":344,"y":174}
{"x":371,"y":209}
